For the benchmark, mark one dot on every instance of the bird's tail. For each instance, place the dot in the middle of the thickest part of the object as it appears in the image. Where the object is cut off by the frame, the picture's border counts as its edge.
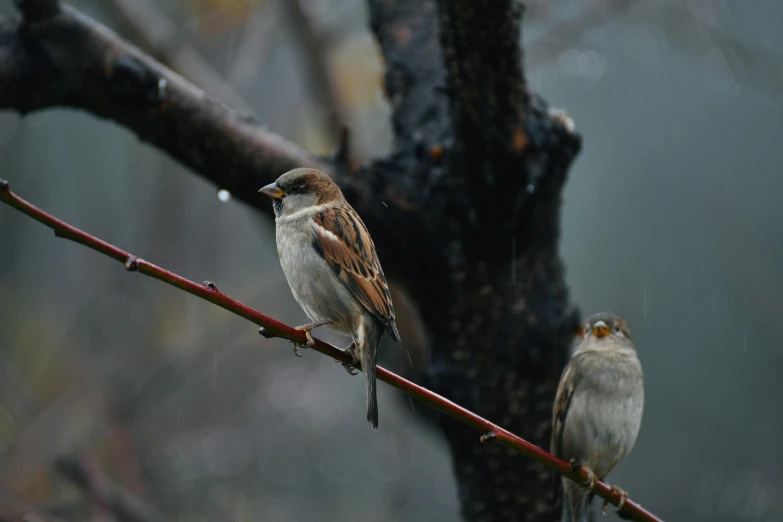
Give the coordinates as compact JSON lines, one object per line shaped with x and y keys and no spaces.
{"x":576,"y":502}
{"x":368,"y":352}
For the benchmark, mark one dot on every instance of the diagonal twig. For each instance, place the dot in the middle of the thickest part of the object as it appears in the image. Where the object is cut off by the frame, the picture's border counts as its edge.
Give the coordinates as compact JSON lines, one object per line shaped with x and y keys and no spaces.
{"x":105,"y":493}
{"x":258,"y":37}
{"x":13,"y":510}
{"x":209,"y":292}
{"x":320,"y":78}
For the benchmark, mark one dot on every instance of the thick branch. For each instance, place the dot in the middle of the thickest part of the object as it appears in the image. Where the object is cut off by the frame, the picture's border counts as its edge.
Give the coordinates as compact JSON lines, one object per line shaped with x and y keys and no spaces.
{"x":484,"y":65}
{"x":477,"y":178}
{"x":63,"y":58}
{"x":407,"y":32}
{"x":209,"y":292}
{"x":507,"y":142}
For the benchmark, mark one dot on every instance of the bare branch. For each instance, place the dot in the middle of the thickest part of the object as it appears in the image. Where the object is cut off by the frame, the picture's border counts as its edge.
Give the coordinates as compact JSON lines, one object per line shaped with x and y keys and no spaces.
{"x":503,"y":135}
{"x":257,"y":34}
{"x":407,"y":32}
{"x":63,"y":58}
{"x":272,"y":328}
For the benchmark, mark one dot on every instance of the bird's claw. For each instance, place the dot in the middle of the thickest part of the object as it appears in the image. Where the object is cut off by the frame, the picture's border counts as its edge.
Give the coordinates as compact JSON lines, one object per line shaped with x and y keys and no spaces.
{"x":306,"y":328}
{"x":623,"y":498}
{"x":353,"y":353}
{"x":310,"y":341}
{"x":355,"y":365}
{"x":584,"y":472}
{"x":352,"y":370}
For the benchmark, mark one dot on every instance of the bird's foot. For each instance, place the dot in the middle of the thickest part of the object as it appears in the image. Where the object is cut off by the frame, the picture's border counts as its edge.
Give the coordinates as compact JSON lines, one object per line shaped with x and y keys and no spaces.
{"x":356,"y":365}
{"x":307,"y":328}
{"x":620,"y":504}
{"x":585,"y":472}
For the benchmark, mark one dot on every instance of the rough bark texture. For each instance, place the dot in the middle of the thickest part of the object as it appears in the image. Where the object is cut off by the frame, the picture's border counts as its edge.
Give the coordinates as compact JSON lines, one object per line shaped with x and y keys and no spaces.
{"x":472,"y":193}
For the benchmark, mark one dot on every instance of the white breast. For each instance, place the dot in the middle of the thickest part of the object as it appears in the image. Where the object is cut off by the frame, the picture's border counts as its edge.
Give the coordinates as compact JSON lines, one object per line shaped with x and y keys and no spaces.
{"x":314,"y":284}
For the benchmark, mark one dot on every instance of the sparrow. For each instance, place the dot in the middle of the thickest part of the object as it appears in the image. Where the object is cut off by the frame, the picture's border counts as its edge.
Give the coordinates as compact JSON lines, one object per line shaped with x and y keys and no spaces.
{"x":330,"y":263}
{"x":598,"y":409}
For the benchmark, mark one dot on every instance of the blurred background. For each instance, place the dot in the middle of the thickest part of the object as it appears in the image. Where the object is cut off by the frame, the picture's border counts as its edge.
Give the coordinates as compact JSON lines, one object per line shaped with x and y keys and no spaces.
{"x":671,"y":219}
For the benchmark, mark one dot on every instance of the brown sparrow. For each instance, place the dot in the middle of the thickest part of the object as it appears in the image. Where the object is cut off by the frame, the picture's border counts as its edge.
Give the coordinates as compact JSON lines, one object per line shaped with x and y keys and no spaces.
{"x":598,"y":408}
{"x":330,"y":263}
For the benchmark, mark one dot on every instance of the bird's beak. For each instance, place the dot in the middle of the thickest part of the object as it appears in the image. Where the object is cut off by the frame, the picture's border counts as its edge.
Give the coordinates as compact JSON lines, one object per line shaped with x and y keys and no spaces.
{"x":600,"y":329}
{"x":272,"y":191}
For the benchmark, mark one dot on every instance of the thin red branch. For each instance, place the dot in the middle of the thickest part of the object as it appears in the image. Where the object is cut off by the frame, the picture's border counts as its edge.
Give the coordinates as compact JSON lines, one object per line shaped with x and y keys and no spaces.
{"x":209,"y":292}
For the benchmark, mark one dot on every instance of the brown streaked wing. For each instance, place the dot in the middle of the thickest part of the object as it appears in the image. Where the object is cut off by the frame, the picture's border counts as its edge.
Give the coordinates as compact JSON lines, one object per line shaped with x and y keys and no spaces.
{"x":562,"y":401}
{"x":344,"y":242}
{"x":565,"y":392}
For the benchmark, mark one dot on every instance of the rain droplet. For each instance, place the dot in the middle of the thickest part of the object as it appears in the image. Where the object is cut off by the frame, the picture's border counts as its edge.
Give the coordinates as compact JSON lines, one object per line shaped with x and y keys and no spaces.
{"x":531,"y":189}
{"x":384,"y":204}
{"x":409,"y":357}
{"x":224,"y":195}
{"x":162,"y":86}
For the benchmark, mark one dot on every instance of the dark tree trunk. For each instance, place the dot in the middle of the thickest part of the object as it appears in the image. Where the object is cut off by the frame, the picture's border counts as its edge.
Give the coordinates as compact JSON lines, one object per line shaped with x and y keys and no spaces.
{"x":476,"y":179}
{"x":465,"y":211}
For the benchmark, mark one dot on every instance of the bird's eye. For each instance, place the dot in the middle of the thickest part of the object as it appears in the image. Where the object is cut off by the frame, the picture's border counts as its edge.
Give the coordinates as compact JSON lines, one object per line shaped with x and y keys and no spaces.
{"x":295,"y":188}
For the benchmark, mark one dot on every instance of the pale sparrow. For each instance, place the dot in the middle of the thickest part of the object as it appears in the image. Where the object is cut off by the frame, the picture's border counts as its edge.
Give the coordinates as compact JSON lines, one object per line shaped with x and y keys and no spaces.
{"x":330,"y":263}
{"x":598,"y":408}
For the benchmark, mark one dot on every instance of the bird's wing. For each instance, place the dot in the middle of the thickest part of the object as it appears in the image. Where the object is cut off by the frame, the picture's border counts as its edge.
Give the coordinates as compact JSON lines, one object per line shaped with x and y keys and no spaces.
{"x":565,"y":392}
{"x":343,"y":241}
{"x":562,"y":401}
